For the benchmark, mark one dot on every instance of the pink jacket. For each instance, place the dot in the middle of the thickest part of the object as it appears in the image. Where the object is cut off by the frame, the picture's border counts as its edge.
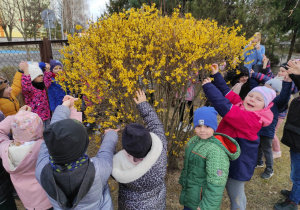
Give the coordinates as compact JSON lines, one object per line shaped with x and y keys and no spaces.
{"x":35,"y":98}
{"x":23,"y":178}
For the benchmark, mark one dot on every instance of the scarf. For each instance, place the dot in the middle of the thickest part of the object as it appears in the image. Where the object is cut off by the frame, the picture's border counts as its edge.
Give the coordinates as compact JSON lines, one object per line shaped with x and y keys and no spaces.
{"x":70,"y":166}
{"x":39,"y":85}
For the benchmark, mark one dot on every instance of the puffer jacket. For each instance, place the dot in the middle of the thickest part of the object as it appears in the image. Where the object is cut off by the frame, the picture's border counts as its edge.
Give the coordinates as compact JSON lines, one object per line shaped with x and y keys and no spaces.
{"x":205,"y":172}
{"x":10,"y":106}
{"x":143,"y":186}
{"x":55,"y":94}
{"x":35,"y":98}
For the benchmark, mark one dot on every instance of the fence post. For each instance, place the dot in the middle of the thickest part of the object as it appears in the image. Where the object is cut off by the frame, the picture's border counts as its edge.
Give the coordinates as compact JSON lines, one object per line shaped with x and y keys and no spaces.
{"x":46,"y":50}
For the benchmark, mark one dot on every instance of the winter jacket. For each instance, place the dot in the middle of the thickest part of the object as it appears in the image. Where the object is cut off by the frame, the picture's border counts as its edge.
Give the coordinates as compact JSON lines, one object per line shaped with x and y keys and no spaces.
{"x":280,"y":104}
{"x":35,"y":98}
{"x":143,"y":186}
{"x":93,"y":191}
{"x":205,"y":171}
{"x":10,"y":106}
{"x":55,"y":94}
{"x":291,"y":131}
{"x":252,"y":57}
{"x":238,"y":123}
{"x":22,"y":176}
{"x":6,"y":186}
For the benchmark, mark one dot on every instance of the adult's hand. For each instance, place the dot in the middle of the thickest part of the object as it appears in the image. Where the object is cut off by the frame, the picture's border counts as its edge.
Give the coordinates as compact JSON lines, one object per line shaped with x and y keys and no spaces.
{"x":294,"y":67}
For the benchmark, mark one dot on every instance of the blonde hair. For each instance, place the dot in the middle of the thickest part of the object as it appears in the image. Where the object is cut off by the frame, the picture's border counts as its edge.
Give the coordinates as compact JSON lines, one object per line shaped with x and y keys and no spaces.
{"x":258,"y":35}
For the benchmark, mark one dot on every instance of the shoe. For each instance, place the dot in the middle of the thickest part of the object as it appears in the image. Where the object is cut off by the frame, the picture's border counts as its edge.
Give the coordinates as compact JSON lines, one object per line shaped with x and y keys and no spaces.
{"x":266,"y":175}
{"x":261,"y":165}
{"x":187,"y":128}
{"x":286,"y":205}
{"x":276,"y":154}
{"x":285,"y":193}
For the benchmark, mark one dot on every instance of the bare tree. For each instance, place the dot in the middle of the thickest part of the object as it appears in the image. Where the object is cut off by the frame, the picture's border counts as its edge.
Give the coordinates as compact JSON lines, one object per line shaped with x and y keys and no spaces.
{"x":7,"y":17}
{"x":29,"y":18}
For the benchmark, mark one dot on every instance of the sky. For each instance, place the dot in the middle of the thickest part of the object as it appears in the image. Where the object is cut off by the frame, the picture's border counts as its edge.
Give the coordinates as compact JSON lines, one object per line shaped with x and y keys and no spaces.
{"x":97,"y":7}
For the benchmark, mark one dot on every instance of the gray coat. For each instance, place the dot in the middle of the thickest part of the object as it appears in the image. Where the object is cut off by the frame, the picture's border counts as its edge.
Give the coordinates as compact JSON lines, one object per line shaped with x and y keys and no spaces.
{"x":98,"y":196}
{"x":143,"y":186}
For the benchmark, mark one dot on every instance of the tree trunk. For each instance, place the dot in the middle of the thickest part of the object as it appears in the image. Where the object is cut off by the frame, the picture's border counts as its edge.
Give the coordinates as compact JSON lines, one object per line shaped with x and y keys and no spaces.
{"x":292,"y":43}
{"x":6,"y":32}
{"x":10,"y":28}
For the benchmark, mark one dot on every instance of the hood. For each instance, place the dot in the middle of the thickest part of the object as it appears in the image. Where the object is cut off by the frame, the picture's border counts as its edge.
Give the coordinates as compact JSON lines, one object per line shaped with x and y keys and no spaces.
{"x":266,"y":115}
{"x":125,"y":171}
{"x":27,"y":164}
{"x":228,"y":144}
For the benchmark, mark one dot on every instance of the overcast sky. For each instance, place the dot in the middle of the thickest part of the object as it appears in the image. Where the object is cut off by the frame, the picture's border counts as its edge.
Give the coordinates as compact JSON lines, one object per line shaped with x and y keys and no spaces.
{"x":97,"y":7}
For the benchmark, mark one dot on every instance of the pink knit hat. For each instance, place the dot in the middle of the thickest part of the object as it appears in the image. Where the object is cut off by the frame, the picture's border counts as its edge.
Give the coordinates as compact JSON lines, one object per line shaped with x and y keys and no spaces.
{"x":27,"y":126}
{"x":268,"y":94}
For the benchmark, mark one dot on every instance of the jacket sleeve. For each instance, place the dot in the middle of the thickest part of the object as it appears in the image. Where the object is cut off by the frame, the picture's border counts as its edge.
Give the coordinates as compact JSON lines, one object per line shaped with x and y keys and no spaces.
{"x":51,"y":96}
{"x":219,"y":102}
{"x":152,"y":121}
{"x":47,"y":78}
{"x":27,"y":88}
{"x":17,"y":84}
{"x":61,"y":112}
{"x":43,"y":159}
{"x":105,"y":155}
{"x":283,"y":98}
{"x":220,"y":83}
{"x":5,"y":126}
{"x":253,"y":83}
{"x":296,"y":79}
{"x":261,"y":77}
{"x":217,"y":174}
{"x":260,"y":53}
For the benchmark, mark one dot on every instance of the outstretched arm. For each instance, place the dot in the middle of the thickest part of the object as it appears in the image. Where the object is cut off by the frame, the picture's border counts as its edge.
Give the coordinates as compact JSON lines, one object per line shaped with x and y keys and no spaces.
{"x":150,"y":117}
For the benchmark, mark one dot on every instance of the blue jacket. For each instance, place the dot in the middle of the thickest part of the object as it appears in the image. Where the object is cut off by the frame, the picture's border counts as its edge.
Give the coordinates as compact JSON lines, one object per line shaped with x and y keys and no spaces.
{"x":280,"y":104}
{"x":238,"y":123}
{"x":252,"y":57}
{"x":55,"y":94}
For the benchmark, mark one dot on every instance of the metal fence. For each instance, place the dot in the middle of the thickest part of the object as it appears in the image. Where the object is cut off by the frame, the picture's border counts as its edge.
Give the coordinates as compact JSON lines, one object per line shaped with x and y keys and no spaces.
{"x":12,"y":53}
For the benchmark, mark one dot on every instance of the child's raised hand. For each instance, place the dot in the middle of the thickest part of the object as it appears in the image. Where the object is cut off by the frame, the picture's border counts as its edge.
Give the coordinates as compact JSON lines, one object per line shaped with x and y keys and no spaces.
{"x":141,"y":97}
{"x":287,"y":79}
{"x":205,"y":81}
{"x":25,"y":108}
{"x":47,"y":67}
{"x":251,"y":72}
{"x":69,"y":101}
{"x":214,"y":68}
{"x":109,"y":129}
{"x":294,"y":67}
{"x":23,"y":65}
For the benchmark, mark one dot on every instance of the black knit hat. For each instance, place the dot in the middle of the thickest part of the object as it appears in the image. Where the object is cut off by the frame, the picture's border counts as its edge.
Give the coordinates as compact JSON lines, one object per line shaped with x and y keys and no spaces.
{"x":67,"y":140}
{"x":136,"y":140}
{"x":285,"y":66}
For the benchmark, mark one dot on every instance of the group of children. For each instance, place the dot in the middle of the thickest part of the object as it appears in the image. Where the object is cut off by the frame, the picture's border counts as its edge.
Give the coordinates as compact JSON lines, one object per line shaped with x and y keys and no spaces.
{"x":50,"y":169}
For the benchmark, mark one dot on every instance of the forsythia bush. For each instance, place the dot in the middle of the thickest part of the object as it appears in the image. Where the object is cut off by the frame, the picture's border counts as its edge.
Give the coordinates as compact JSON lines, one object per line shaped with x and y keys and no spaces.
{"x":135,"y":49}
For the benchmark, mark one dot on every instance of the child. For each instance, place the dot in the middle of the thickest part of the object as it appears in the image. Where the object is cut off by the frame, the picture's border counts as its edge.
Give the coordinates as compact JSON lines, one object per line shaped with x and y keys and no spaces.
{"x":237,"y":78}
{"x":263,"y":78}
{"x":7,"y":200}
{"x":9,"y":104}
{"x":291,"y":138}
{"x":267,"y":133}
{"x":55,"y":91}
{"x":140,"y":168}
{"x":242,"y":120}
{"x":206,"y":163}
{"x":70,"y":177}
{"x":20,"y":155}
{"x":34,"y":82}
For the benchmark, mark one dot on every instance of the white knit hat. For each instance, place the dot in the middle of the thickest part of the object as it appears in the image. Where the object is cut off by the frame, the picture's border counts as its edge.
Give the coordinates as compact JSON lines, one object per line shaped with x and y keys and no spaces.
{"x":34,"y":71}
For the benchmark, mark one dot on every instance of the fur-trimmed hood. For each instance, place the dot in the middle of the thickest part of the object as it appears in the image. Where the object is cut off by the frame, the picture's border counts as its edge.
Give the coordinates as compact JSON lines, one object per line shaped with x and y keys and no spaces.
{"x":125,"y":172}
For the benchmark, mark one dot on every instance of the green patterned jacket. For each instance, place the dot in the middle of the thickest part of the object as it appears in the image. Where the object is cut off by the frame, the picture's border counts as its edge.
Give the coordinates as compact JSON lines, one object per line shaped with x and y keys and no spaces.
{"x":205,"y":172}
